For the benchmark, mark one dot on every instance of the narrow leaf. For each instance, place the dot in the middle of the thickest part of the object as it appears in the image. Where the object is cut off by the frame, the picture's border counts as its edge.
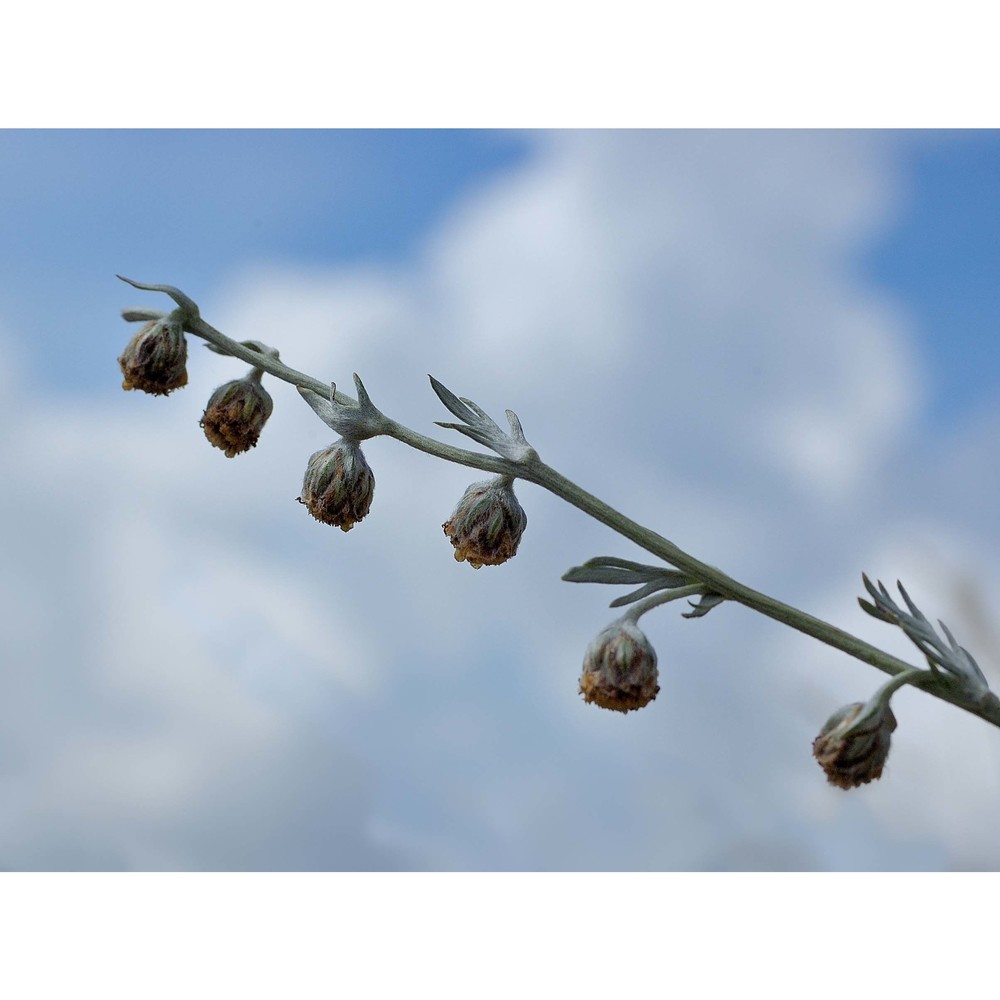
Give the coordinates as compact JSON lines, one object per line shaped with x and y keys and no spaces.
{"x":321,"y":406}
{"x":637,"y":595}
{"x":142,"y":315}
{"x":704,"y":605}
{"x":516,"y":430}
{"x":452,"y":402}
{"x":484,"y":417}
{"x":601,"y":574}
{"x":875,"y":612}
{"x":473,"y":432}
{"x":606,"y":569}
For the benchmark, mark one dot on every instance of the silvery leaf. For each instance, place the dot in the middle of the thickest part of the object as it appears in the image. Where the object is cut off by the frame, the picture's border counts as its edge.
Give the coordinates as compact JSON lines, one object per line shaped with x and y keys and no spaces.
{"x":949,"y":656}
{"x":704,"y":605}
{"x":478,"y":425}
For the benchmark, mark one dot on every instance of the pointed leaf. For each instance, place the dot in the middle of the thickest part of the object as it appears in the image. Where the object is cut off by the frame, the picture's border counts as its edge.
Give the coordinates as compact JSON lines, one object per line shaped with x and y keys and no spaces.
{"x":637,"y":595}
{"x":451,"y":401}
{"x":483,"y":416}
{"x":321,"y":406}
{"x":142,"y":315}
{"x":704,"y":605}
{"x":600,"y":574}
{"x":875,"y":612}
{"x":473,"y":432}
{"x":517,"y":432}
{"x":607,"y":569}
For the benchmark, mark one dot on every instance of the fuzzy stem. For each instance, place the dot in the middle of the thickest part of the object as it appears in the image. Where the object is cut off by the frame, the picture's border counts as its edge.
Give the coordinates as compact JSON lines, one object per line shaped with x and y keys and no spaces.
{"x":917,"y":677}
{"x":718,"y":582}
{"x":664,"y":597}
{"x":534,"y":470}
{"x":278,"y":369}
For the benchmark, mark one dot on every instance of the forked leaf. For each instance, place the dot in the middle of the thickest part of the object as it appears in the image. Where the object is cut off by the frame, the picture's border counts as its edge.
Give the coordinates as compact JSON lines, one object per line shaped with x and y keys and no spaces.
{"x":475,"y":433}
{"x":704,"y":605}
{"x":948,"y":655}
{"x":482,"y":428}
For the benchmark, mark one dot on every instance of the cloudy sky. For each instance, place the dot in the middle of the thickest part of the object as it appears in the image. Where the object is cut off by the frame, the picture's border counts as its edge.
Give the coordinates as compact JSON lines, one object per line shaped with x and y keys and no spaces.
{"x":777,"y":349}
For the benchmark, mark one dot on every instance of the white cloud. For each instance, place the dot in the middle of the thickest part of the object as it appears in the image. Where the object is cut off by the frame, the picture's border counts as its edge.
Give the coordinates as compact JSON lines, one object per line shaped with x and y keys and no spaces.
{"x":165,"y":680}
{"x":223,"y":682}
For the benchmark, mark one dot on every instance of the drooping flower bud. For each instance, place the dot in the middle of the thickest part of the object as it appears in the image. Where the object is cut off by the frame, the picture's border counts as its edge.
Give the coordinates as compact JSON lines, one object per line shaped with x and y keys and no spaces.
{"x":487,"y":524}
{"x":853,"y":745}
{"x":155,"y":358}
{"x":338,"y":485}
{"x":619,"y":668}
{"x":236,"y":413}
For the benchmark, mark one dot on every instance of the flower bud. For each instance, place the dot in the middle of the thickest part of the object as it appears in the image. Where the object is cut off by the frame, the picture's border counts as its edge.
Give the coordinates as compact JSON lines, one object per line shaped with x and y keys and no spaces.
{"x":487,"y":524}
{"x":235,"y":415}
{"x":853,"y":745}
{"x":338,"y":485}
{"x":155,"y":358}
{"x":619,"y":668}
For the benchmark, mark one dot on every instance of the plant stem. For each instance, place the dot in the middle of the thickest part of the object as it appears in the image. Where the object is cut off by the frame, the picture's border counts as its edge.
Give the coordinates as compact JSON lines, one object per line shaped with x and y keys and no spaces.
{"x":488,"y":463}
{"x":718,"y":582}
{"x":657,"y":600}
{"x":536,"y":471}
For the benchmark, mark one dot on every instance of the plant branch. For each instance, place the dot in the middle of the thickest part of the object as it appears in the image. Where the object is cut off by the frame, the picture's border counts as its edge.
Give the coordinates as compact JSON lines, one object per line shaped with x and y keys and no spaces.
{"x":279,"y":370}
{"x":529,"y":467}
{"x":718,"y":582}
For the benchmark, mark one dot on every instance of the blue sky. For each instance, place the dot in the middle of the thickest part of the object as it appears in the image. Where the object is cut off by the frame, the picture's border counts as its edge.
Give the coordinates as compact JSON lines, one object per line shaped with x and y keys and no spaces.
{"x":776,"y":348}
{"x":941,"y":257}
{"x":202,"y":203}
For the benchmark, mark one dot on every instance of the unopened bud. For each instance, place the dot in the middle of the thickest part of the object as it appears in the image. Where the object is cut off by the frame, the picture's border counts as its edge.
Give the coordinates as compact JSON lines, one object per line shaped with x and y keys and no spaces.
{"x":155,"y":358}
{"x":619,"y":668}
{"x":338,"y":485}
{"x":487,"y":524}
{"x":235,"y":415}
{"x":853,"y":745}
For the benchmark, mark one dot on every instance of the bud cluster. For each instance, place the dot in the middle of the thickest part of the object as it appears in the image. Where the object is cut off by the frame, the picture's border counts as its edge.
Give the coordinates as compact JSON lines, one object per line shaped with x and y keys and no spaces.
{"x":619,"y":668}
{"x":155,"y":359}
{"x":338,"y":485}
{"x":236,"y":414}
{"x":853,"y":745}
{"x":620,"y":671}
{"x":486,"y":525}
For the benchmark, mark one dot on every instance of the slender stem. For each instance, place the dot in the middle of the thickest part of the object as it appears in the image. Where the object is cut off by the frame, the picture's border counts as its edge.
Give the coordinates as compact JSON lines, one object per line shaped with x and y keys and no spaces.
{"x":879,"y":701}
{"x":718,"y":582}
{"x":917,"y":676}
{"x":278,"y":369}
{"x":535,"y":471}
{"x":638,"y":609}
